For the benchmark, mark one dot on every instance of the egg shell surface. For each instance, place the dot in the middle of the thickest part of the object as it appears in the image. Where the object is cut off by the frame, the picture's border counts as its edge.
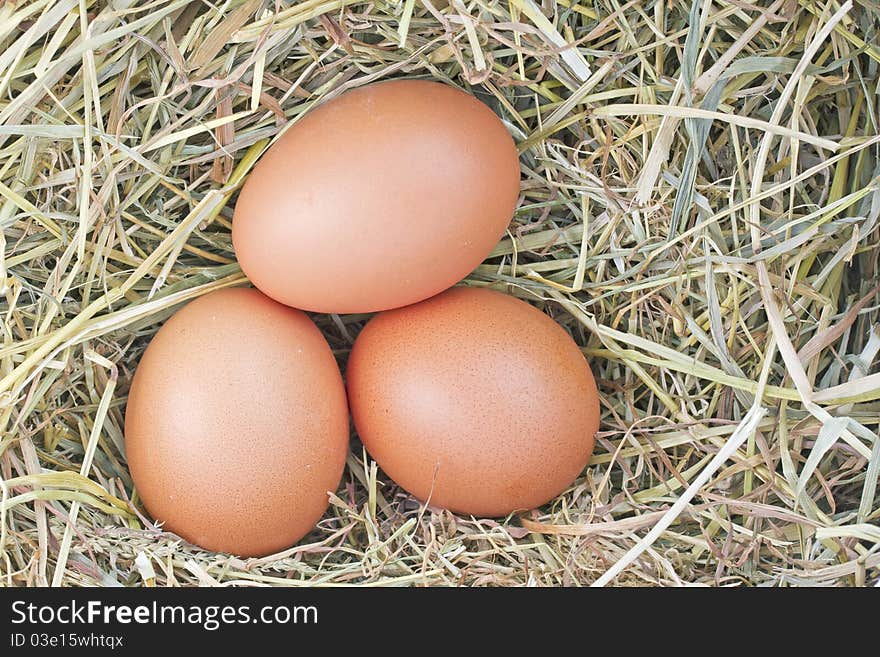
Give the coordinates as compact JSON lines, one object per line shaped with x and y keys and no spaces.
{"x":473,"y":401}
{"x":237,"y":425}
{"x":381,"y":197}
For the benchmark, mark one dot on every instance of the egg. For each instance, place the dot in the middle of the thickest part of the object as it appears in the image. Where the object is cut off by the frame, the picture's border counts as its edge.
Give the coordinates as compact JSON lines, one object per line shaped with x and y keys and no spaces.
{"x":381,"y":197}
{"x":237,"y":424}
{"x":473,"y":401}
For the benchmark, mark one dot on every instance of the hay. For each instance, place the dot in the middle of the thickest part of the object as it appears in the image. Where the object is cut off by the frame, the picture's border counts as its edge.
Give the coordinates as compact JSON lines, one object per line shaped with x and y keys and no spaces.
{"x":699,"y":208}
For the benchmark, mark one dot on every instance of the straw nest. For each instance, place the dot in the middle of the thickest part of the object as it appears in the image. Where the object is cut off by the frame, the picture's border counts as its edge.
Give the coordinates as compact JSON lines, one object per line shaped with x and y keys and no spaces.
{"x":699,"y":209}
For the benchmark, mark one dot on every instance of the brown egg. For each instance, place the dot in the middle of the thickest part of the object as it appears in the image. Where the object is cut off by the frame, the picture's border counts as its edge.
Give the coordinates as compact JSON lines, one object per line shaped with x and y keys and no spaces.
{"x":237,"y":426}
{"x":379,"y":198}
{"x":473,"y":401}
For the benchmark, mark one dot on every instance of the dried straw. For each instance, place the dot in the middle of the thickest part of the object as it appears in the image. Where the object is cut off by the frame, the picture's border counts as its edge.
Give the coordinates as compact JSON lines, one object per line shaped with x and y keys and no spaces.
{"x":699,"y":208}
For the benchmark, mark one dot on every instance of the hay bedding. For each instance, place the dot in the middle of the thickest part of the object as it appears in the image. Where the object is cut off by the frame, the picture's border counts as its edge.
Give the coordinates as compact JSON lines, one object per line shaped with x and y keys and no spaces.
{"x":699,"y":209}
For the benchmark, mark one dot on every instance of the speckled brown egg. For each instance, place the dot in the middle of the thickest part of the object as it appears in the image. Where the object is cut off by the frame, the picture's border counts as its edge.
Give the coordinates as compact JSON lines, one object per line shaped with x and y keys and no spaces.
{"x":473,"y":401}
{"x":236,"y":426}
{"x":381,"y":197}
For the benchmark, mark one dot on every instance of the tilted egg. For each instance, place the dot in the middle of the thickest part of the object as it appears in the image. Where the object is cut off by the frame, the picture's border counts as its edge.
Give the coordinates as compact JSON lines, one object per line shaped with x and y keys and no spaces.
{"x":376,"y":199}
